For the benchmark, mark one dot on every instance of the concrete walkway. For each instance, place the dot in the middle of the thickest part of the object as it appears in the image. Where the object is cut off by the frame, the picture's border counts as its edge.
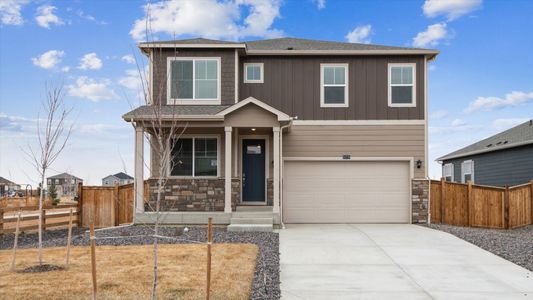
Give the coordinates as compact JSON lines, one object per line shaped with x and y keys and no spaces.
{"x":392,"y":262}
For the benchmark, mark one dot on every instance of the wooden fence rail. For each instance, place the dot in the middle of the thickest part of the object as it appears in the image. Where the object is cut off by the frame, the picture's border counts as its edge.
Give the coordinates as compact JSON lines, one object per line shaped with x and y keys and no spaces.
{"x":481,"y":206}
{"x":53,"y":217}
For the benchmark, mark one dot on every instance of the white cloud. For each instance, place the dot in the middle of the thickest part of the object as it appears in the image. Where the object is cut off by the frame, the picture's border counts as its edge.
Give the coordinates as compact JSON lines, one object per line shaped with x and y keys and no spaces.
{"x":10,"y":11}
{"x":45,"y":16}
{"x":128,"y":59}
{"x":219,"y":19}
{"x":49,"y":59}
{"x":432,"y":67}
{"x":90,"y":61}
{"x":432,"y":36}
{"x":503,"y":124}
{"x":88,"y":17}
{"x":458,"y":123}
{"x":65,"y":69}
{"x":490,"y":103}
{"x":320,"y":4}
{"x":452,"y":9}
{"x":132,"y":80}
{"x":360,"y":34}
{"x":94,"y":90}
{"x":439,"y":114}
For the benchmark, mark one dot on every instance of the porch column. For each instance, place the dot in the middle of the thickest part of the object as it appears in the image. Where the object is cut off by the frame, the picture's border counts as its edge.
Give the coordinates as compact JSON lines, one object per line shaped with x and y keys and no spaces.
{"x":275,"y":209}
{"x":227,"y":170}
{"x":139,"y":169}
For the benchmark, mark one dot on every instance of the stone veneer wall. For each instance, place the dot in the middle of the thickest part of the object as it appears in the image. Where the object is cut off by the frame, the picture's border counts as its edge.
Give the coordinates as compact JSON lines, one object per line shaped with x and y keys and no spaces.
{"x":202,"y":194}
{"x":270,"y":191}
{"x":420,"y":201}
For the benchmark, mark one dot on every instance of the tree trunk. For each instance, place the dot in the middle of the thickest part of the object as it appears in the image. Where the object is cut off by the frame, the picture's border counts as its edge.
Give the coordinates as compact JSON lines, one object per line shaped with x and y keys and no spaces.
{"x":156,"y":233}
{"x":41,"y":196}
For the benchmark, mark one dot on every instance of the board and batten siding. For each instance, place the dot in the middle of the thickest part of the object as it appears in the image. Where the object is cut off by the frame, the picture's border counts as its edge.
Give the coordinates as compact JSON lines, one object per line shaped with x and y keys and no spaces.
{"x":511,"y":167}
{"x":357,"y":141}
{"x":227,"y":65}
{"x":292,"y":85}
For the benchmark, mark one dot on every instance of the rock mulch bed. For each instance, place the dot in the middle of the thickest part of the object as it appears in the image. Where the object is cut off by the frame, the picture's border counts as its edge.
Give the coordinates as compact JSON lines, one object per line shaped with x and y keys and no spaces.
{"x":515,"y":245}
{"x":266,"y":280}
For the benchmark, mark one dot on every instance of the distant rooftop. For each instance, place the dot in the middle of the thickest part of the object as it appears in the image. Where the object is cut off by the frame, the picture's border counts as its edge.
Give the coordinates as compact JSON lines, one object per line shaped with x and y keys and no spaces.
{"x":64,"y":176}
{"x":123,"y":175}
{"x":4,"y":181}
{"x":517,"y":136}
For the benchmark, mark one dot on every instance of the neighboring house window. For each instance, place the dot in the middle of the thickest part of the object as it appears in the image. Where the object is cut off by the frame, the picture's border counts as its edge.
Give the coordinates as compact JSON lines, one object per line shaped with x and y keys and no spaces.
{"x":467,"y":171}
{"x":194,"y":80}
{"x":196,"y":156}
{"x":447,"y":172}
{"x":402,"y":88}
{"x":253,"y":72}
{"x":72,"y":181}
{"x":57,"y":181}
{"x":49,"y":181}
{"x":334,"y":85}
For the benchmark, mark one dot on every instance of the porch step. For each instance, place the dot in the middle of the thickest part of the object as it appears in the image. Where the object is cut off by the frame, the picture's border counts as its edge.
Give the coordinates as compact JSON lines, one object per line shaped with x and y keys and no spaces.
{"x":254,"y":208}
{"x":252,"y":214}
{"x":250,"y":220}
{"x":250,"y":227}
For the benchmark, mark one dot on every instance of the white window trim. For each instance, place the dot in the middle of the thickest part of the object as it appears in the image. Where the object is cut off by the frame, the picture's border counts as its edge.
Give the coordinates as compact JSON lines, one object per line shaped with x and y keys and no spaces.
{"x":262,"y":72}
{"x":444,"y":171}
{"x":389,"y":84}
{"x":346,"y":84}
{"x":193,"y":137}
{"x":463,"y":173}
{"x":177,"y":101}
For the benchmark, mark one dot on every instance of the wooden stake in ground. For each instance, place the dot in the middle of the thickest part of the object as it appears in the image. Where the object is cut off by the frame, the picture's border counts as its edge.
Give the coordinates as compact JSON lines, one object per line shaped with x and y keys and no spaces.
{"x":93,"y":256}
{"x":15,"y":244}
{"x":69,"y":239}
{"x":209,"y":238}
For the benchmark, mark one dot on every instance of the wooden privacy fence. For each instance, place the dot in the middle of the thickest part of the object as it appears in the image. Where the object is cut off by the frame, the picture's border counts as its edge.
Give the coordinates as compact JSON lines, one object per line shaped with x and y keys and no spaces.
{"x":481,"y":206}
{"x":111,"y":206}
{"x":53,"y":217}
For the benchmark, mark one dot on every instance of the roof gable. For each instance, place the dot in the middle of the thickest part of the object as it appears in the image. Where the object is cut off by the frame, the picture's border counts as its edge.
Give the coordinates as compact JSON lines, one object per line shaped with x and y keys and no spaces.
{"x":251,"y":100}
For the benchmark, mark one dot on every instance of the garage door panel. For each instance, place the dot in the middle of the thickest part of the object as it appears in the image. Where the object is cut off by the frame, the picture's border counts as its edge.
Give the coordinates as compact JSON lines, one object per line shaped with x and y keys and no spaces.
{"x":346,"y":192}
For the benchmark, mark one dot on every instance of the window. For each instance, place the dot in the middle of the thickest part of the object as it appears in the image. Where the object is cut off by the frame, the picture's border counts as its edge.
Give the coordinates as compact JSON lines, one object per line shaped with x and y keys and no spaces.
{"x":253,"y":73}
{"x":402,"y":92}
{"x":194,"y":80}
{"x":49,"y":181}
{"x":447,"y":172}
{"x":57,"y":181}
{"x":467,"y":171}
{"x":196,"y":156}
{"x":334,"y":85}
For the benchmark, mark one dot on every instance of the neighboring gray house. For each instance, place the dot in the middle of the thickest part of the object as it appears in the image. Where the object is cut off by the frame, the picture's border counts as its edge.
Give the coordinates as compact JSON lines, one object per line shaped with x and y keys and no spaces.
{"x":65,"y":183}
{"x":7,"y":186}
{"x":119,"y":178}
{"x":502,"y":159}
{"x":300,"y":131}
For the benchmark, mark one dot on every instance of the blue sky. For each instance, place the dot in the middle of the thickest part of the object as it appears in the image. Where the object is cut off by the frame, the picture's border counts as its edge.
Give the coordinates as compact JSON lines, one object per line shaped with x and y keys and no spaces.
{"x":480,"y":84}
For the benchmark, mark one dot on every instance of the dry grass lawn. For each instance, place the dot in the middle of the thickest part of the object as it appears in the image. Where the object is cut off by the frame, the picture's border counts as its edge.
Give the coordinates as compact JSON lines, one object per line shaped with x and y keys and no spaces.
{"x":125,"y":272}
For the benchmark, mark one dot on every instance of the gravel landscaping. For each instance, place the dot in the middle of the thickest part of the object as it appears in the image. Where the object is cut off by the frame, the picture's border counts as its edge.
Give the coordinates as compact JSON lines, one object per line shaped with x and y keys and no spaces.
{"x":266,"y":280}
{"x":515,"y":245}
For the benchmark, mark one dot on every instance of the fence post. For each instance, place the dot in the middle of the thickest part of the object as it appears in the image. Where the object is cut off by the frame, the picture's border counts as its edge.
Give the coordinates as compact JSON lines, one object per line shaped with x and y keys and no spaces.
{"x":15,"y":244}
{"x":209,"y":238}
{"x":80,"y":204}
{"x":69,"y":235}
{"x":442,"y":199}
{"x":531,"y":199}
{"x":93,"y":255}
{"x":469,"y":204}
{"x":116,"y":204}
{"x":1,"y":221}
{"x":506,"y":208}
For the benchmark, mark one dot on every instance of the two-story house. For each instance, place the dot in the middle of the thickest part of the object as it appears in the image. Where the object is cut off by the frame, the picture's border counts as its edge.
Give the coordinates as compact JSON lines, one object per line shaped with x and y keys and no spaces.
{"x":312,"y":131}
{"x":65,"y":184}
{"x":120,"y":178}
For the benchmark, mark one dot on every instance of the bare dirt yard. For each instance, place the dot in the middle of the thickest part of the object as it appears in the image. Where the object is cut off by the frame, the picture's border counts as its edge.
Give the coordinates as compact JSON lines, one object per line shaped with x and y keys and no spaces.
{"x":125,"y":272}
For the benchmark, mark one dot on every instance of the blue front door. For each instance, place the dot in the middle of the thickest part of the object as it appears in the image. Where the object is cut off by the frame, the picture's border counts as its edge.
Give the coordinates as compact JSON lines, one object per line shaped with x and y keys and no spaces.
{"x":253,"y":170}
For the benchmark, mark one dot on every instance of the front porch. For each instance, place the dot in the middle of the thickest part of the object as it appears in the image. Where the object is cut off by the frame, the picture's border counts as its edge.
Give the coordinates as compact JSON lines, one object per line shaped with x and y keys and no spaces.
{"x":243,"y":172}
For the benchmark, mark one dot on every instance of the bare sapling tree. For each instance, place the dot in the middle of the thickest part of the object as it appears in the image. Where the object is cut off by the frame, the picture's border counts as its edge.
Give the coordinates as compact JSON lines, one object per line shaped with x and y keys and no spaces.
{"x":53,"y":133}
{"x":162,"y":129}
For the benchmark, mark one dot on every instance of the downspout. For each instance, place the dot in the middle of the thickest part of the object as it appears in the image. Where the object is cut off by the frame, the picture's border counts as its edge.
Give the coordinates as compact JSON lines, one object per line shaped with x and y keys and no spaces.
{"x":281,"y":172}
{"x":426,"y":133}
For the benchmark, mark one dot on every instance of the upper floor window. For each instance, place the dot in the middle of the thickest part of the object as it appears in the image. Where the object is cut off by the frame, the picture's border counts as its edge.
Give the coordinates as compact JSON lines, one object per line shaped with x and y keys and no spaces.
{"x":334,"y":85}
{"x":467,"y":171}
{"x":402,"y":88}
{"x":447,"y":172}
{"x":193,"y":80}
{"x":253,"y":73}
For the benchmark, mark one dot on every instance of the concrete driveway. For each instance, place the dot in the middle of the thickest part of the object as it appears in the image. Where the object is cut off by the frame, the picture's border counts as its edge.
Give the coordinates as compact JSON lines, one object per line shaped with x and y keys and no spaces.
{"x":392,"y":262}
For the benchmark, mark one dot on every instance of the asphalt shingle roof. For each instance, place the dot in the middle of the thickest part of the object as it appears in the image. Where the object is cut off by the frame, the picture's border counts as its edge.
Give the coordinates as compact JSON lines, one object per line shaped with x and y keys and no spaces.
{"x":305,"y":44}
{"x":4,"y":181}
{"x":514,"y":137}
{"x":63,"y":175}
{"x":191,"y":41}
{"x":123,"y":175}
{"x":174,"y":111}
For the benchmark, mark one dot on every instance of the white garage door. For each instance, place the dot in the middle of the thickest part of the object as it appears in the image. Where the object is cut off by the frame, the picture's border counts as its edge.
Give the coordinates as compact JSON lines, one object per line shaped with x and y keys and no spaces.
{"x":346,"y":192}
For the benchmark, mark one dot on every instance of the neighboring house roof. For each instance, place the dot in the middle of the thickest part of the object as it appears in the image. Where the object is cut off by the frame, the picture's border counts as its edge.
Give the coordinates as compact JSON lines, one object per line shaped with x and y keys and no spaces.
{"x":517,"y":136}
{"x":4,"y":181}
{"x":174,"y":111}
{"x":123,"y":175}
{"x":64,"y":176}
{"x":288,"y":46}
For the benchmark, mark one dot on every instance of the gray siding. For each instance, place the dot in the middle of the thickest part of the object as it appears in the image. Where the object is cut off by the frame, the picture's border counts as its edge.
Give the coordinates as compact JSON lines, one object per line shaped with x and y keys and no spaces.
{"x":292,"y":85}
{"x":159,"y":71}
{"x":506,"y":167}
